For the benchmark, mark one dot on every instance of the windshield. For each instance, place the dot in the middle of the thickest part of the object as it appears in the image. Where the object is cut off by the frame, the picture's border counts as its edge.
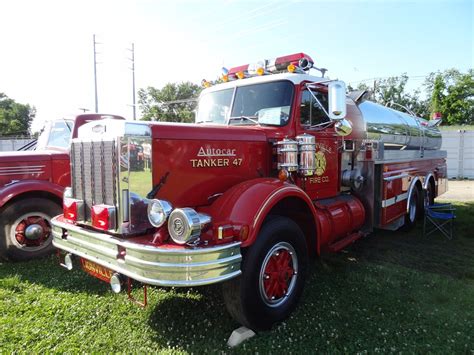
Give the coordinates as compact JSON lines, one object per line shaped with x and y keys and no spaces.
{"x":56,"y":134}
{"x":267,"y":103}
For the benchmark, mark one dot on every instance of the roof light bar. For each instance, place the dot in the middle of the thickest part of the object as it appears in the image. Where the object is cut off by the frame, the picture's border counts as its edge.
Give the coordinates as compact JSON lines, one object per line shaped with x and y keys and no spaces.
{"x":301,"y":61}
{"x":293,"y":63}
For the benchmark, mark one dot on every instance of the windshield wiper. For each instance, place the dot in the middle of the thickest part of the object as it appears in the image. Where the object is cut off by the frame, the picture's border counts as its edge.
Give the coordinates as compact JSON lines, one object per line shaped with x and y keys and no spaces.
{"x":248,"y":118}
{"x":66,"y":123}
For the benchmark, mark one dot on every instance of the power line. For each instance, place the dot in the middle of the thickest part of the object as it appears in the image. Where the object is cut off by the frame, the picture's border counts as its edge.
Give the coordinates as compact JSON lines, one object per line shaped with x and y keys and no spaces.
{"x":178,"y":101}
{"x":387,"y":77}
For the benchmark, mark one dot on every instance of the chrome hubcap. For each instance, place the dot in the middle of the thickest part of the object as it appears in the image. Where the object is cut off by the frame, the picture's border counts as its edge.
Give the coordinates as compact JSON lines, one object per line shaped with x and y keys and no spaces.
{"x":31,"y":232}
{"x":34,"y":232}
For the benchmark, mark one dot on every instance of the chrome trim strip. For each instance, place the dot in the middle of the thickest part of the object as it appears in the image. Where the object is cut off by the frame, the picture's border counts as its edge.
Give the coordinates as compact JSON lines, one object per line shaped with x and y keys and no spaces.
{"x":151,"y":265}
{"x":402,"y":156}
{"x":391,"y":201}
{"x":396,"y":177}
{"x":21,"y":167}
{"x":427,"y":179}
{"x":23,"y":173}
{"x":410,"y":190}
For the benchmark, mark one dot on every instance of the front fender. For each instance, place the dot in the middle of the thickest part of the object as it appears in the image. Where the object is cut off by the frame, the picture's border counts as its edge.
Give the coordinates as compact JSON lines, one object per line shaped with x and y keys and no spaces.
{"x":248,"y":203}
{"x":15,"y":189}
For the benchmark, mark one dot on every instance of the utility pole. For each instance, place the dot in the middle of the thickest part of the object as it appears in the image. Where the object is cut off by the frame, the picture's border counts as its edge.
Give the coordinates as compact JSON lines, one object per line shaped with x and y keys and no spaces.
{"x":375,"y":88}
{"x":133,"y":80}
{"x":95,"y":77}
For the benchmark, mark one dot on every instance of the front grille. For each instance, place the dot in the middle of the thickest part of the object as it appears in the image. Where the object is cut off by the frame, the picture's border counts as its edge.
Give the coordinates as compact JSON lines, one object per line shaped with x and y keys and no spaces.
{"x":94,"y":173}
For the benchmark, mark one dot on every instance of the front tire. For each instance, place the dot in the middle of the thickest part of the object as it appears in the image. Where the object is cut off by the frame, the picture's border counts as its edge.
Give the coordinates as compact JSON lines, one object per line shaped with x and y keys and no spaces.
{"x":25,"y":229}
{"x":273,"y":276}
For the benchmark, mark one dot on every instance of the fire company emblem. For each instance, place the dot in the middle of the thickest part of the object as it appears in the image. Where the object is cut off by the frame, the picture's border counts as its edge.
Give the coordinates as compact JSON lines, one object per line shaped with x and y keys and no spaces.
{"x":320,"y":163}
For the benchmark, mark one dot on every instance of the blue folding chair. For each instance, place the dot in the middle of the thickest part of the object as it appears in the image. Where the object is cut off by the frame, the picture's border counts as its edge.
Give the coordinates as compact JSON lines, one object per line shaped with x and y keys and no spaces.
{"x":439,"y":217}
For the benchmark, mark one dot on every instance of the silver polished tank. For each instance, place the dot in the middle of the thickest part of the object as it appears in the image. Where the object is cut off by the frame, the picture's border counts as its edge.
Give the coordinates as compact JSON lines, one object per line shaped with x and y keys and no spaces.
{"x":397,"y":130}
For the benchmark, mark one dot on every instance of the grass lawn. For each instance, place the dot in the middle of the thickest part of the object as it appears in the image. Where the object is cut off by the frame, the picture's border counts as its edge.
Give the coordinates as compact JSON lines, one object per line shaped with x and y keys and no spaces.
{"x":389,"y":292}
{"x":457,"y":127}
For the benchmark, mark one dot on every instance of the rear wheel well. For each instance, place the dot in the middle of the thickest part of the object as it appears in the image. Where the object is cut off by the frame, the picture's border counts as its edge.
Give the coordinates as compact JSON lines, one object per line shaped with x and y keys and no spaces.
{"x":297,"y":210}
{"x":420,"y":206}
{"x":419,"y":186}
{"x":34,"y":194}
{"x":431,"y":182}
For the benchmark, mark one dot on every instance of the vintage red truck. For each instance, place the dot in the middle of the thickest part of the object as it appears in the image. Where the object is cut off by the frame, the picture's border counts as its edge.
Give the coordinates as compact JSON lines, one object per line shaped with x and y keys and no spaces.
{"x":31,"y":189}
{"x":280,"y":165}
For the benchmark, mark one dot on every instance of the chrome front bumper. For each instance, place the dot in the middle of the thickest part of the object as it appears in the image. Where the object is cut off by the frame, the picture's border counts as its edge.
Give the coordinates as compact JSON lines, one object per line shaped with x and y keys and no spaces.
{"x":161,"y":266}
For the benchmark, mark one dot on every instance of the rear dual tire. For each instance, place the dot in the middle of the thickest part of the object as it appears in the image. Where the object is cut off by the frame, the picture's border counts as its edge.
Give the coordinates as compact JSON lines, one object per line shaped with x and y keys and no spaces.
{"x":415,"y":209}
{"x":273,"y":276}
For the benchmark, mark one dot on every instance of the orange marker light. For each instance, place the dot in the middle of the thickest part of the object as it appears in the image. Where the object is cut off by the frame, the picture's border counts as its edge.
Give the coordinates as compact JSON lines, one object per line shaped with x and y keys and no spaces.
{"x":283,"y":175}
{"x":225,"y":78}
{"x":291,"y":68}
{"x":260,"y":71}
{"x":240,"y":75}
{"x":244,"y":233}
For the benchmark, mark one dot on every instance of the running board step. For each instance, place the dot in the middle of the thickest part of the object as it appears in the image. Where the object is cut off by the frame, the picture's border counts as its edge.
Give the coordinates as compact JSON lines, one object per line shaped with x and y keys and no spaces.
{"x":342,"y":243}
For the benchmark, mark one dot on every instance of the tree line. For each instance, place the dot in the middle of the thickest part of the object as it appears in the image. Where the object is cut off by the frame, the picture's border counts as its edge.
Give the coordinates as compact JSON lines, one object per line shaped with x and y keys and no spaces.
{"x":15,"y":118}
{"x":450,"y":92}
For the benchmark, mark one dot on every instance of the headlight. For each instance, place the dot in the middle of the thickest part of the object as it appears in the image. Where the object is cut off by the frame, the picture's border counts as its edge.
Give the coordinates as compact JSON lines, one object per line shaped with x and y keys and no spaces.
{"x":158,"y":212}
{"x":185,"y":225}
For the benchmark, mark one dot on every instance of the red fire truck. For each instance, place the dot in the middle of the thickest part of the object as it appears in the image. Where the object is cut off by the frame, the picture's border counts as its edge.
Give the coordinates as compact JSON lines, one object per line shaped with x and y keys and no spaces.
{"x":279,"y":165}
{"x":31,"y":189}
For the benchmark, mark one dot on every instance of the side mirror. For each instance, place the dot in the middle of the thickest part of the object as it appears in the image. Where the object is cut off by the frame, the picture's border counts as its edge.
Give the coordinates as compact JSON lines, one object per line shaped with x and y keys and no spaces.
{"x":337,"y":100}
{"x":434,"y":122}
{"x":343,"y":127}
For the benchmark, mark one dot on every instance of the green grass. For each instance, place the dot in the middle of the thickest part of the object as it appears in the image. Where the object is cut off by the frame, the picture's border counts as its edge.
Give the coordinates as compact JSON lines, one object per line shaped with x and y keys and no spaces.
{"x":141,"y":182}
{"x":457,"y":127}
{"x":390,"y":292}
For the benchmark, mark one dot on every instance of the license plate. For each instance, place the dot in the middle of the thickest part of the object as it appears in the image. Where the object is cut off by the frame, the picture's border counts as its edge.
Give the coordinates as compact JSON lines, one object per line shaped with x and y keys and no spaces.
{"x":96,"y":270}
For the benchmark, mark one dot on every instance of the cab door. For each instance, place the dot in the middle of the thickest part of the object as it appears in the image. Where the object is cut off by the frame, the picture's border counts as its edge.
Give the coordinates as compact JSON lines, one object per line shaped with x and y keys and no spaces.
{"x":311,"y":119}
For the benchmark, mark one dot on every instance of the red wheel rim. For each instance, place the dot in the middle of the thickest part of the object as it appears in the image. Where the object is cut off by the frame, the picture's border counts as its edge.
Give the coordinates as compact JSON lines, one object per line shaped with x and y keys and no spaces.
{"x":278,"y":274}
{"x":20,"y":230}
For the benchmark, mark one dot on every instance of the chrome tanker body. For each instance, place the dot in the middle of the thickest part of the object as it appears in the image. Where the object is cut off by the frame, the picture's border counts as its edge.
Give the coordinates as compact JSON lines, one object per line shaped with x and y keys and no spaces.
{"x":396,"y":130}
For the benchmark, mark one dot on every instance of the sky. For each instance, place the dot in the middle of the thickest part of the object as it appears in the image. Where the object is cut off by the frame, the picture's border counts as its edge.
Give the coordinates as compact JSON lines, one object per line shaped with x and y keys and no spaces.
{"x":46,"y":47}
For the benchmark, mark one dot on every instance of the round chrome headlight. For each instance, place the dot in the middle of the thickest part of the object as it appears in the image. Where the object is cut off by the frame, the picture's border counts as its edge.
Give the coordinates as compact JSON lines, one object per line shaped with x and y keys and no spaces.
{"x":185,"y":225}
{"x":158,"y":212}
